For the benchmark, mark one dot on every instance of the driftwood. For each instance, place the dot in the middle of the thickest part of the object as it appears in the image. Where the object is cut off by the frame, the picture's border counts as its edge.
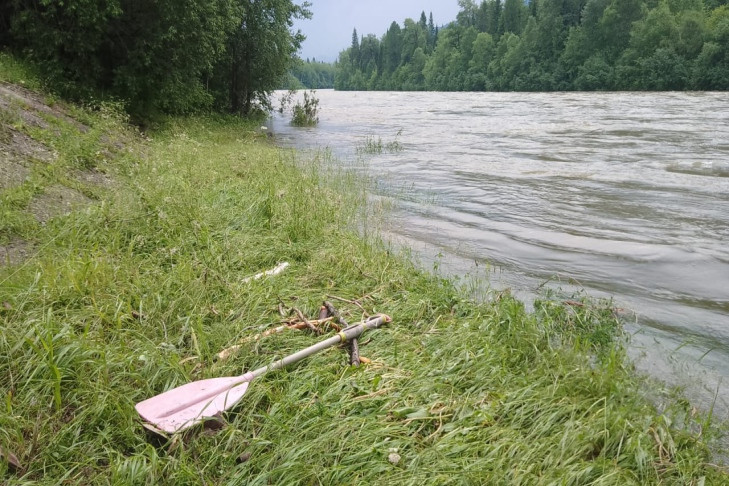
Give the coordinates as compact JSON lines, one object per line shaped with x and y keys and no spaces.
{"x":228,"y":352}
{"x":274,"y":271}
{"x":328,"y":314}
{"x":353,"y":345}
{"x":306,"y":321}
{"x":334,"y":312}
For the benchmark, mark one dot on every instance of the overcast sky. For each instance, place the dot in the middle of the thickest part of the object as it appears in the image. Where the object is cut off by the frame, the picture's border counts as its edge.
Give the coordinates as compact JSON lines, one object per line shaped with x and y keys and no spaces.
{"x":330,"y":29}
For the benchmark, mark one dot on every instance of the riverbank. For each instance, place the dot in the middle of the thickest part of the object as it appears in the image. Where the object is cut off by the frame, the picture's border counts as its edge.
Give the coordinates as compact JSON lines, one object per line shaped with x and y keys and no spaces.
{"x":141,"y":287}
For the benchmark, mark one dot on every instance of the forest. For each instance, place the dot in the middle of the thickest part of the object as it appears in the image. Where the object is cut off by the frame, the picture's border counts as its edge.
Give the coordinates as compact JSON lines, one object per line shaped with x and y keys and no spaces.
{"x":310,"y":74}
{"x":166,"y":56}
{"x":548,"y":45}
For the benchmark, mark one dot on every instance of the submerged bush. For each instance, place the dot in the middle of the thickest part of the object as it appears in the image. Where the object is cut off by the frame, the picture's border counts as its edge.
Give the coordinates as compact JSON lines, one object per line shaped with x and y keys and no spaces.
{"x":306,"y":114}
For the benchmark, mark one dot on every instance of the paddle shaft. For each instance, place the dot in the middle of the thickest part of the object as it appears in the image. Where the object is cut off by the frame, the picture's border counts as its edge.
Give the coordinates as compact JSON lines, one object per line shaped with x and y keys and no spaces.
{"x":345,"y":335}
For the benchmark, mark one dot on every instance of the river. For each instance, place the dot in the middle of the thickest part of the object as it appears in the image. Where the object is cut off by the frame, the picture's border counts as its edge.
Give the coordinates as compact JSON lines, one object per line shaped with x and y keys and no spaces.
{"x":624,"y":195}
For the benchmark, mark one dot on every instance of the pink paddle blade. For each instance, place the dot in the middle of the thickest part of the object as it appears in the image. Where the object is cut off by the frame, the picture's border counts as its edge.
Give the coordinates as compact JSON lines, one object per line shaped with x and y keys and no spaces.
{"x":184,"y":406}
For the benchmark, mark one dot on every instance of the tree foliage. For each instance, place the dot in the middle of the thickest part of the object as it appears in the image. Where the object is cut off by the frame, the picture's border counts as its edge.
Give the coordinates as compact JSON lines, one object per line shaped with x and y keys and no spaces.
{"x":260,"y":52}
{"x":310,"y":74}
{"x":173,"y":56}
{"x":553,"y":45}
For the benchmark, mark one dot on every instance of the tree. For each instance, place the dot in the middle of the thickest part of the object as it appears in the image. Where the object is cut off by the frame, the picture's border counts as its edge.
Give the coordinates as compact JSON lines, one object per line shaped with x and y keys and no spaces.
{"x":64,"y":38}
{"x":483,"y":16}
{"x":155,"y":55}
{"x":483,"y":52}
{"x":168,"y":52}
{"x":369,"y":55}
{"x":413,"y":37}
{"x":712,"y":64}
{"x":558,"y":45}
{"x":467,"y":15}
{"x":354,"y":51}
{"x":391,"y":49}
{"x":431,"y":33}
{"x":7,"y":11}
{"x":260,"y":52}
{"x":512,"y":16}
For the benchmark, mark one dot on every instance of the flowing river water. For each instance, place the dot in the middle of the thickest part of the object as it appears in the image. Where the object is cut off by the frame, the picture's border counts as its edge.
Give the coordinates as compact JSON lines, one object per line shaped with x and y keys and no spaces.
{"x":624,"y":195}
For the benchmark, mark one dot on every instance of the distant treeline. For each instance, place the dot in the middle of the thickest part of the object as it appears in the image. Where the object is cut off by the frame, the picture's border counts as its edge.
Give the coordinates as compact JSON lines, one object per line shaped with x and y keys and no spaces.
{"x":548,"y":45}
{"x":310,"y":74}
{"x":168,"y":56}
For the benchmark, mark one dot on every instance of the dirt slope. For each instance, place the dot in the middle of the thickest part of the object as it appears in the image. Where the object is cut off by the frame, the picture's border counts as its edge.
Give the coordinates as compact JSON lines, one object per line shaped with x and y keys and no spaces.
{"x":26,"y":119}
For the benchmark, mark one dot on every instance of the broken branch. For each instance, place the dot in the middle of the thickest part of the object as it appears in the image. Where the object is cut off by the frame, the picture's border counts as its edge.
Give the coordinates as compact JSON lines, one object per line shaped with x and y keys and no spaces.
{"x":306,"y":321}
{"x":274,"y":271}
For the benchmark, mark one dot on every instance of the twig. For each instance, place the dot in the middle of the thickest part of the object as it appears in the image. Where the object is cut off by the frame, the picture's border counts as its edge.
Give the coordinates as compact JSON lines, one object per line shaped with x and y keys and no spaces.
{"x":353,"y":302}
{"x":306,"y":321}
{"x":337,"y":316}
{"x":229,"y":351}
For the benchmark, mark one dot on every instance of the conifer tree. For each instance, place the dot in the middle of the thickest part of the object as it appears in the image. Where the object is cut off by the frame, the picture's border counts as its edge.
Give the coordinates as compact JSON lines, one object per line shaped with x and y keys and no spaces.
{"x":355,"y":52}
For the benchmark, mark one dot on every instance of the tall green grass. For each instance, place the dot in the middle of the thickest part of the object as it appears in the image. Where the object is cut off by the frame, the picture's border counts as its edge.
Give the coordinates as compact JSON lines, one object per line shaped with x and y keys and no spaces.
{"x":139,"y":292}
{"x":375,"y":146}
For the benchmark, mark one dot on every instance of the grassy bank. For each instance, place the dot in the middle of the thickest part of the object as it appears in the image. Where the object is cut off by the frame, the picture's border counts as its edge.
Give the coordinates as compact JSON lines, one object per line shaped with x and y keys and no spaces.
{"x":138,"y":291}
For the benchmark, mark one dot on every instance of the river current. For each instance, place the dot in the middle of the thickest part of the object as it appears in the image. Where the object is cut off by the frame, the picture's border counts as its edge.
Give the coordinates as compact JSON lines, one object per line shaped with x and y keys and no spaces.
{"x":624,"y":195}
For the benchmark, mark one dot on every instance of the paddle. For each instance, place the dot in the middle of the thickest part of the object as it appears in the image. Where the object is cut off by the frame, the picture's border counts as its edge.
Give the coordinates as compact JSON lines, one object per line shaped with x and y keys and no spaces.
{"x":182,"y":407}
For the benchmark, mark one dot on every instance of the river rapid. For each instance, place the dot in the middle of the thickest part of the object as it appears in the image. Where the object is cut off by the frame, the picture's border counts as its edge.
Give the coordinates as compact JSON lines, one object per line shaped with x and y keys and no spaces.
{"x":624,"y":195}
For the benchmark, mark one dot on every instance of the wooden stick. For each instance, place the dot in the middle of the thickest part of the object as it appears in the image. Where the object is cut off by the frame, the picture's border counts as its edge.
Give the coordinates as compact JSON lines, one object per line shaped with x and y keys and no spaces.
{"x":353,"y":346}
{"x":324,"y":314}
{"x":354,"y":358}
{"x":337,"y":316}
{"x":306,"y":321}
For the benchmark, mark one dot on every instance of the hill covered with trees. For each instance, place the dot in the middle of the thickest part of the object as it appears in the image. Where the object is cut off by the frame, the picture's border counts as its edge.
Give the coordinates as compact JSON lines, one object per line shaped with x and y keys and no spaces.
{"x":547,"y":45}
{"x":166,"y":56}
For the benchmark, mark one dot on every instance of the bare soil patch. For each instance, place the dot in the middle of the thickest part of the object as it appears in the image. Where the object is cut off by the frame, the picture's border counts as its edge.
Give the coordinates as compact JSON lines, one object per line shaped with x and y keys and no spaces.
{"x":14,"y":252}
{"x":57,"y":201}
{"x":20,"y":153}
{"x":95,"y":178}
{"x":32,"y":104}
{"x":18,"y":144}
{"x":12,"y":173}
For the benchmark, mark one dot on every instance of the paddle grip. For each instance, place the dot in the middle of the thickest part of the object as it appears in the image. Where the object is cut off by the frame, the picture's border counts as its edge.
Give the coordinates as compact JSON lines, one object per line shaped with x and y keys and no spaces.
{"x":356,"y":330}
